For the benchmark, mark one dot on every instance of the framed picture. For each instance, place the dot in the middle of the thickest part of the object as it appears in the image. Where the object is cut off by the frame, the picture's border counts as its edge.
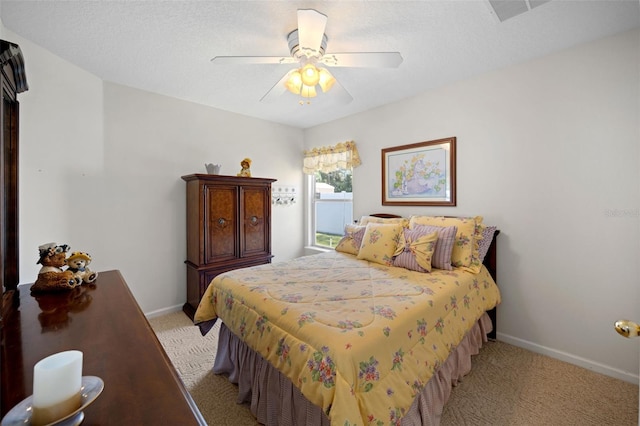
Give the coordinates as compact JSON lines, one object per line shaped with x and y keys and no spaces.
{"x":420,"y":174}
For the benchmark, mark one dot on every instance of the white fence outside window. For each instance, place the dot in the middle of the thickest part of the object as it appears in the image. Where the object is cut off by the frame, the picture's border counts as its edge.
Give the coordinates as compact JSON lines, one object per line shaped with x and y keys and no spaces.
{"x":333,"y":212}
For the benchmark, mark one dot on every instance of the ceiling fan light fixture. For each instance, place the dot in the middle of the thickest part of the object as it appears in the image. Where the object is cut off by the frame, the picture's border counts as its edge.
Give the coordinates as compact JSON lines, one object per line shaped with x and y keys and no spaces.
{"x":308,"y":91}
{"x":303,"y":81}
{"x":310,"y":75}
{"x":294,"y":82}
{"x":326,"y":80}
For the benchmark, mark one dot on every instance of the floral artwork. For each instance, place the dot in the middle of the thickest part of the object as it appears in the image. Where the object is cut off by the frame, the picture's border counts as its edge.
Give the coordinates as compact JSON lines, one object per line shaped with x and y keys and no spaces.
{"x":419,"y":174}
{"x":416,"y":174}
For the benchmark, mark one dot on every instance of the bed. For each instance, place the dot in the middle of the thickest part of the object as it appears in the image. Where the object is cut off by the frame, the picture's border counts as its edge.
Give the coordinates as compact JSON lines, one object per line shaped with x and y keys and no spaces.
{"x":354,"y":336}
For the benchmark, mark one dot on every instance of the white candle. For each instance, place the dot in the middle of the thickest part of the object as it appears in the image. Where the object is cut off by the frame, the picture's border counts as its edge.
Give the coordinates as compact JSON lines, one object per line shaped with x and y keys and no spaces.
{"x":57,"y":380}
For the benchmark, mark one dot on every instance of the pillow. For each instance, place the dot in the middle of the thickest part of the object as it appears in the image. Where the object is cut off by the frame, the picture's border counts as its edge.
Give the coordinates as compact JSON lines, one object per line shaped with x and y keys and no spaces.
{"x":352,"y":239}
{"x":465,"y":249}
{"x":380,"y":242}
{"x":372,"y":219}
{"x":444,"y":246}
{"x":417,"y":250}
{"x":485,"y":242}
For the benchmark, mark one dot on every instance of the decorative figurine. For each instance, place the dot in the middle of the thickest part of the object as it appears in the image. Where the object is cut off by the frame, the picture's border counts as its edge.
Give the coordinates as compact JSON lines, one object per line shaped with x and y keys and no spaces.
{"x":246,"y":168}
{"x":78,"y":263}
{"x":51,"y":277}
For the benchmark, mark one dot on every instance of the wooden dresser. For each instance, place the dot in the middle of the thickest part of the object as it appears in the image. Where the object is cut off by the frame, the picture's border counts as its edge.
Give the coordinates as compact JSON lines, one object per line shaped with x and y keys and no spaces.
{"x":141,"y":387}
{"x":228,"y":227}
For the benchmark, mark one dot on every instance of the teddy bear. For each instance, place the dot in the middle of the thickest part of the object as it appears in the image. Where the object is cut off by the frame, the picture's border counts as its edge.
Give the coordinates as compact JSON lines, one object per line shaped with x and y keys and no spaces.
{"x":51,"y":277}
{"x":78,"y":263}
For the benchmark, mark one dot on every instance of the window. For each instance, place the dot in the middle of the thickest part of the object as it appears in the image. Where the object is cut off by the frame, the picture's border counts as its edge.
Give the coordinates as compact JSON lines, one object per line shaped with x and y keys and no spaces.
{"x":329,"y":192}
{"x":331,"y":206}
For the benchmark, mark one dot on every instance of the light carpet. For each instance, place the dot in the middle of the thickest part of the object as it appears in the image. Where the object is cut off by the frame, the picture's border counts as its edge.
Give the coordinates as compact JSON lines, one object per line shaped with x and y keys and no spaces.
{"x":507,"y":386}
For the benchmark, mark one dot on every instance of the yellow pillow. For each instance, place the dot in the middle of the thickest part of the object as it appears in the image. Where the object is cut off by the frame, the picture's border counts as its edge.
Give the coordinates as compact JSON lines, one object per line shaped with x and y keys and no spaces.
{"x":372,"y":219}
{"x":352,"y":239}
{"x":380,"y":242}
{"x":465,"y":253}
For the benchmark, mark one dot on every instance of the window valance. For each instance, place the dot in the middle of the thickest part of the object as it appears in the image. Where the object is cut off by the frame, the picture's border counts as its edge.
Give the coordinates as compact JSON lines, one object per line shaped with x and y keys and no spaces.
{"x":331,"y":158}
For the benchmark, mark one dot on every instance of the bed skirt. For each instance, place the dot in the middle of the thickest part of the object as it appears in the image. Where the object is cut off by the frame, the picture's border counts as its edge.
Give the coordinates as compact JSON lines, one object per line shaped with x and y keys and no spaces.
{"x":276,"y":402}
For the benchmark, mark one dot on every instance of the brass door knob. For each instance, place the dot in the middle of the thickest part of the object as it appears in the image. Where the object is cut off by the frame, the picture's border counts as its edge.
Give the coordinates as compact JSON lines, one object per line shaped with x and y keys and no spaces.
{"x":627,"y":328}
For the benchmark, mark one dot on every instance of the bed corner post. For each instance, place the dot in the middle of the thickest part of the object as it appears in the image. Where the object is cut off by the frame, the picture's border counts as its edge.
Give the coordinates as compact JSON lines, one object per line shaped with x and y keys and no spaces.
{"x":491,"y":262}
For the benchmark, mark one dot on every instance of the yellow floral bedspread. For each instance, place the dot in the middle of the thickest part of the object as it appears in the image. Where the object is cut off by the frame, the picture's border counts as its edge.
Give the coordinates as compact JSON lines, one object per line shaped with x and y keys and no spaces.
{"x":359,"y":339}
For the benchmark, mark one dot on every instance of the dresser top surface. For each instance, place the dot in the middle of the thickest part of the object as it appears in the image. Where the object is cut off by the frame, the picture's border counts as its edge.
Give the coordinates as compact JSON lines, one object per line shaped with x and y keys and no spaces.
{"x":103,"y":321}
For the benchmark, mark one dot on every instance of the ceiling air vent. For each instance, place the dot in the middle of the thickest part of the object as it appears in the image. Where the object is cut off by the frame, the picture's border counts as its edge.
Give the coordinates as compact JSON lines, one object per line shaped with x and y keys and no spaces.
{"x":505,"y":9}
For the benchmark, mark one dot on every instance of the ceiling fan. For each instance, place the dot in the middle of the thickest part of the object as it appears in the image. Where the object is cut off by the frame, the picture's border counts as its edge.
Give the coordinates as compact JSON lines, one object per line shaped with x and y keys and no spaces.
{"x":307,"y":45}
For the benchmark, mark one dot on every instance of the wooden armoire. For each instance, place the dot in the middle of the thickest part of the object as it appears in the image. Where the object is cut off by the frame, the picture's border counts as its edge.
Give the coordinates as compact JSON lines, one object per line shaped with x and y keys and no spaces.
{"x":13,"y":81}
{"x":228,"y":227}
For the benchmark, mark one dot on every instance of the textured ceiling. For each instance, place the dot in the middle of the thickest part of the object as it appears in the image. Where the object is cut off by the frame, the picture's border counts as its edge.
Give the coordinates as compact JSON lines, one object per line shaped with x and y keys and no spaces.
{"x":165,"y":47}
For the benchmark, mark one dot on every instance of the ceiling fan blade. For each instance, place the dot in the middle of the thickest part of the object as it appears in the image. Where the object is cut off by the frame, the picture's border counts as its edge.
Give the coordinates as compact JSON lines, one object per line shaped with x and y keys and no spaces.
{"x":338,"y":93}
{"x":277,"y":90}
{"x":311,"y":25}
{"x":363,"y":59}
{"x":242,"y":60}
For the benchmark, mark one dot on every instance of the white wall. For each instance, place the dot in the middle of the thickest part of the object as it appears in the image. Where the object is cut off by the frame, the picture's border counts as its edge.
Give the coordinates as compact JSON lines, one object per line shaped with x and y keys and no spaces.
{"x":549,"y":151}
{"x":100,"y":168}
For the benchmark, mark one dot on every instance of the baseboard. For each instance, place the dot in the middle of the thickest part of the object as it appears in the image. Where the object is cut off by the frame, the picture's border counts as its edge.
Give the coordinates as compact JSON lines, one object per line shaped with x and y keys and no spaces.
{"x":570,"y":358}
{"x":163,"y":311}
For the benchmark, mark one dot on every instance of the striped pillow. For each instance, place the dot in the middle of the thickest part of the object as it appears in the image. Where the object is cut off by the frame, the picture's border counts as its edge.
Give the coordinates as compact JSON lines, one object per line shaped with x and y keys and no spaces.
{"x":444,"y":246}
{"x":416,"y":250}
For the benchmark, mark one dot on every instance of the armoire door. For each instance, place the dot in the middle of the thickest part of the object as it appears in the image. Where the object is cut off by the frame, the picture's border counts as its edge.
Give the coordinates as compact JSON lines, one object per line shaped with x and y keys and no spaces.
{"x":255,"y":236}
{"x":221,"y":223}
